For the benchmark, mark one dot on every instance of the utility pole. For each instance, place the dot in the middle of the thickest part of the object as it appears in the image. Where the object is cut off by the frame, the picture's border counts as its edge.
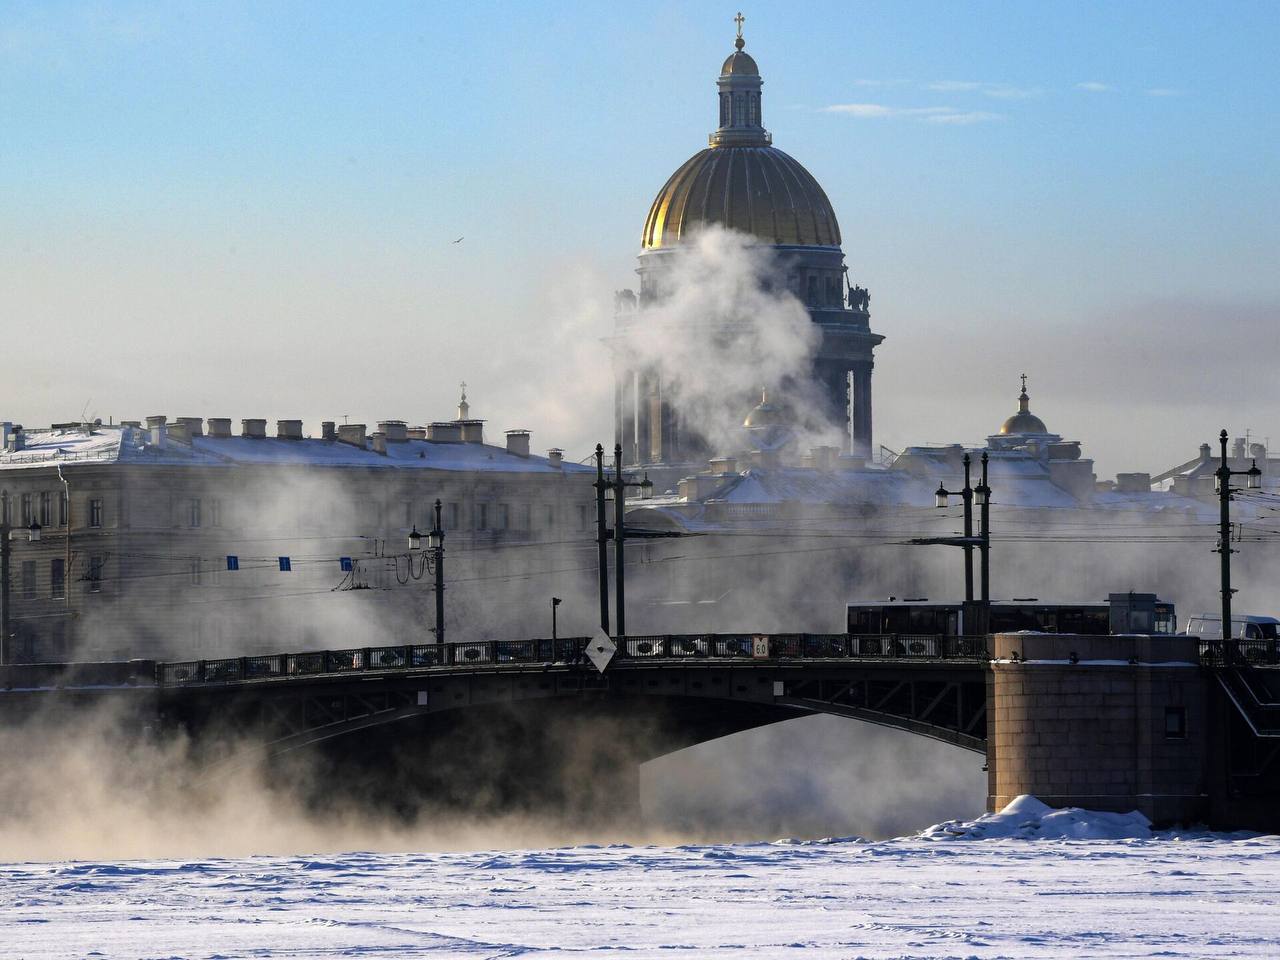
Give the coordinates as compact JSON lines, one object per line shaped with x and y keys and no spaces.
{"x":1223,"y":474}
{"x":619,"y":536}
{"x":982,"y":493}
{"x":5,"y":548}
{"x":602,"y":540}
{"x":436,"y":543}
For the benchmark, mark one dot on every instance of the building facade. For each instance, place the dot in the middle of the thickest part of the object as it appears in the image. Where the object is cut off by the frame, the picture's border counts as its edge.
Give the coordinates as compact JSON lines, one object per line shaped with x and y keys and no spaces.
{"x":184,"y":537}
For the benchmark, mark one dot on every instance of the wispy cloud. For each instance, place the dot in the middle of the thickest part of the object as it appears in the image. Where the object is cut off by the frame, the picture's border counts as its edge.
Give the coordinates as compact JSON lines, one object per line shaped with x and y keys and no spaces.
{"x":963,"y":118}
{"x":1003,"y":92}
{"x":1163,"y":92}
{"x":873,"y":111}
{"x":1093,"y":86}
{"x":953,"y":86}
{"x":998,"y":91}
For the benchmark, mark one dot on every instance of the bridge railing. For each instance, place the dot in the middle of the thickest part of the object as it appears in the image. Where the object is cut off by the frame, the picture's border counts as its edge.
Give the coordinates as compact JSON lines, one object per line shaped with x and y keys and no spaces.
{"x":1252,"y":651}
{"x":570,"y":650}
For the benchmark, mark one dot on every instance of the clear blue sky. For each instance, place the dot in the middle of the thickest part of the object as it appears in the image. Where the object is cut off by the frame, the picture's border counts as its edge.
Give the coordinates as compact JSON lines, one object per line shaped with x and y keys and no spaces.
{"x":245,"y":209}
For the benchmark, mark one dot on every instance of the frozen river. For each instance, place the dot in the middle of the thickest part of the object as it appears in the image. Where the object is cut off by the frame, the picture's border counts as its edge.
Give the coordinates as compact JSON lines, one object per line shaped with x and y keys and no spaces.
{"x":934,"y":895}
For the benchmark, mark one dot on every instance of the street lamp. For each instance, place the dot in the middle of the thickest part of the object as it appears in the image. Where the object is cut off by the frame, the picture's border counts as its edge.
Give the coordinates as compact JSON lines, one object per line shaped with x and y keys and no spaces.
{"x":614,"y":488}
{"x":434,"y":560}
{"x":555,"y":602}
{"x":1222,"y":481}
{"x":941,"y":499}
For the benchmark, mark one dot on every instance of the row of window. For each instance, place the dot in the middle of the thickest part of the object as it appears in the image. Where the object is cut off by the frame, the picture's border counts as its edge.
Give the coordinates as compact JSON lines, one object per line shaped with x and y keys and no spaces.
{"x":40,"y":508}
{"x":58,"y":578}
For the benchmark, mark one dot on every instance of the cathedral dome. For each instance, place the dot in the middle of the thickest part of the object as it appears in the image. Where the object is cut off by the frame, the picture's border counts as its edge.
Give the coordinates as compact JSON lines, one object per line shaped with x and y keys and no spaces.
{"x":757,"y":190}
{"x":742,"y":181}
{"x":1024,"y":421}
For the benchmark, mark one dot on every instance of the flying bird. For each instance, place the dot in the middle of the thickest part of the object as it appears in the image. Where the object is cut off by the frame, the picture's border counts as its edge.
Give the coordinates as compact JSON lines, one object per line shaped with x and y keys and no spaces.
{"x":459,"y":240}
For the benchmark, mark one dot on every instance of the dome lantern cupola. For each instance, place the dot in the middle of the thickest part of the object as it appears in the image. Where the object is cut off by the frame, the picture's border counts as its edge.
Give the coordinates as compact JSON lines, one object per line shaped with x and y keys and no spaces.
{"x":1024,"y":421}
{"x":741,"y":123}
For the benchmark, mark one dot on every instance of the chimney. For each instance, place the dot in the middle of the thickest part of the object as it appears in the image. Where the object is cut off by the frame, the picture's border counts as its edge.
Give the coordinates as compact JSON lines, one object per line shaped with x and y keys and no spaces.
{"x":1258,"y":451}
{"x":328,"y":431}
{"x":289,"y":429}
{"x":379,"y":442}
{"x":257,"y":429}
{"x":135,"y":424}
{"x":518,"y":442}
{"x":1205,"y":452}
{"x":1237,"y":448}
{"x":555,"y":457}
{"x":393,"y":430}
{"x":220,"y":427}
{"x":184,"y":428}
{"x":5,"y":428}
{"x":1133,"y":483}
{"x":723,"y":465}
{"x":352,"y":433}
{"x":17,"y":439}
{"x":472,"y":431}
{"x":444,"y":432}
{"x":416,"y":433}
{"x":159,"y":432}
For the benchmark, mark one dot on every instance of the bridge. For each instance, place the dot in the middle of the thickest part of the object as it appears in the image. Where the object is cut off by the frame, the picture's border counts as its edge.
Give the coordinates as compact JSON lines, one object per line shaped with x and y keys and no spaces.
{"x":1182,"y":728}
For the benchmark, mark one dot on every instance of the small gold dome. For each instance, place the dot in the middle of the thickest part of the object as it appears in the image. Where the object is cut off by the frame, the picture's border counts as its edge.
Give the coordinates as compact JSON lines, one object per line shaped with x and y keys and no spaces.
{"x":739,"y":64}
{"x":1024,"y":421}
{"x":764,"y":414}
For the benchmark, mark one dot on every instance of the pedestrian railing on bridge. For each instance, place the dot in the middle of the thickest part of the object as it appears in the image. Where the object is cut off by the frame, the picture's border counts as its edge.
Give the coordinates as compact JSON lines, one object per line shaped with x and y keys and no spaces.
{"x":1249,"y":652}
{"x":572,"y":650}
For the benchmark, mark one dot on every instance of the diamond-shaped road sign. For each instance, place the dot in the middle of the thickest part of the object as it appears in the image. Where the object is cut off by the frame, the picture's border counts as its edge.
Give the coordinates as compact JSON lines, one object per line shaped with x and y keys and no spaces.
{"x":600,"y":649}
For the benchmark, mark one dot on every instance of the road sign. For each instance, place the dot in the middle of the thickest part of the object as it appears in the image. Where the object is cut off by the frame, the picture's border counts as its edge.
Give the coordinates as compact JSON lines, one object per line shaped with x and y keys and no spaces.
{"x":600,"y":649}
{"x":760,"y":647}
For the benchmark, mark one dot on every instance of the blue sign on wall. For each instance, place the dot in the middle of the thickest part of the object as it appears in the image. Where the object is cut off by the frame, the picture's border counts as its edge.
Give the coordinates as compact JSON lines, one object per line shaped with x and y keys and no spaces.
{"x":285,"y":566}
{"x":233,"y":563}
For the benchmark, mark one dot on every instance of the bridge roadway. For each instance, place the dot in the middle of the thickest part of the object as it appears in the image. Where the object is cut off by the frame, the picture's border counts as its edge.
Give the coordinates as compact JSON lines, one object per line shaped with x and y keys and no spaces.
{"x":709,"y":685}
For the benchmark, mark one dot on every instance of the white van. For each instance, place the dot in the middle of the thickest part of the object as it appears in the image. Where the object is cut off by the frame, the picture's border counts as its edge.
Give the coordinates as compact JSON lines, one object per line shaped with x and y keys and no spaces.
{"x":1244,"y":626}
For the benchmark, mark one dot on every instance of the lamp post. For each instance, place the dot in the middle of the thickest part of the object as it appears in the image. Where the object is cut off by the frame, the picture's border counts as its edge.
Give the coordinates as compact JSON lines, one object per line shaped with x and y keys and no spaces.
{"x":5,"y":547}
{"x":614,"y":487}
{"x":941,"y":499}
{"x":555,"y":602}
{"x":1223,"y":476}
{"x":435,"y":543}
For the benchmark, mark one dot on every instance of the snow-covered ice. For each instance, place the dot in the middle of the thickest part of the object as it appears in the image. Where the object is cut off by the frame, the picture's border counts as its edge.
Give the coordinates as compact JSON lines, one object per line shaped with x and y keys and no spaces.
{"x":1024,"y":887}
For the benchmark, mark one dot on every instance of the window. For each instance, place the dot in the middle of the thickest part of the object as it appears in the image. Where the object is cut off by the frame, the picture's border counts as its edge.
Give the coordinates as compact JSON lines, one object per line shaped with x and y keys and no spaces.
{"x":1175,"y":723}
{"x":482,"y":516}
{"x":96,"y":564}
{"x":57,"y":579}
{"x":95,"y":512}
{"x":27,"y":515}
{"x":451,"y":516}
{"x":551,"y":516}
{"x":6,"y":508}
{"x":193,"y":571}
{"x":46,"y":509}
{"x":526,"y":514}
{"x":28,"y":579}
{"x":215,"y":513}
{"x":193,"y":512}
{"x":408,"y":514}
{"x":584,"y":516}
{"x":504,"y":516}
{"x":63,"y":510}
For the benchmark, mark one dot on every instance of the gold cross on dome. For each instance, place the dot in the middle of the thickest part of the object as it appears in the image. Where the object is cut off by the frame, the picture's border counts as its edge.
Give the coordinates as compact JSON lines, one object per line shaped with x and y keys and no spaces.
{"x":1024,"y":383}
{"x":739,"y":20}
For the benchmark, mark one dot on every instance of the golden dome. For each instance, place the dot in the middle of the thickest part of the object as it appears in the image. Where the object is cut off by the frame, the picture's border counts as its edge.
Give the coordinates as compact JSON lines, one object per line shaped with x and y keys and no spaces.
{"x":1024,"y":421}
{"x":739,"y":64}
{"x":764,"y":414}
{"x":754,"y":189}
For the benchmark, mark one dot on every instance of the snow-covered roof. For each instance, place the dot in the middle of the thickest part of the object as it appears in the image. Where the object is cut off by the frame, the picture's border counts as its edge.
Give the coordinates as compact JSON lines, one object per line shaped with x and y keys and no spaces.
{"x":133,"y":445}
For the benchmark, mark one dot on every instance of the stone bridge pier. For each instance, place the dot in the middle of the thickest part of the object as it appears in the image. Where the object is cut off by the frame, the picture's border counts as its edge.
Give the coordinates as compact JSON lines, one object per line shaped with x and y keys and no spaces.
{"x":1105,"y":722}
